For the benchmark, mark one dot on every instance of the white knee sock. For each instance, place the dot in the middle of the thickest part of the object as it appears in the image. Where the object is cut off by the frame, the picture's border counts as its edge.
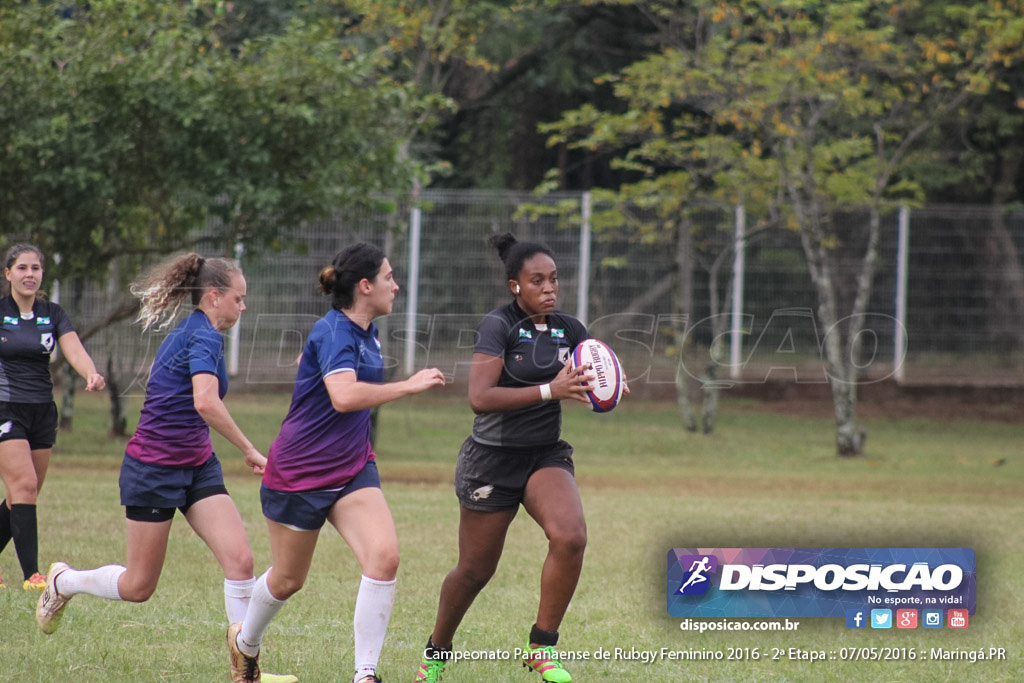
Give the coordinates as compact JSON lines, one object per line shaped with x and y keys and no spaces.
{"x":101,"y":582}
{"x":236,"y":598}
{"x":373,"y":611}
{"x":262,"y":608}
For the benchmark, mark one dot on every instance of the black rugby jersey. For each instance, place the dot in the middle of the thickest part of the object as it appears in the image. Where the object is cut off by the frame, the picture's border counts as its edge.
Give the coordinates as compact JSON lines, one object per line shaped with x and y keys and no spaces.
{"x":531,"y":357}
{"x":25,"y":349}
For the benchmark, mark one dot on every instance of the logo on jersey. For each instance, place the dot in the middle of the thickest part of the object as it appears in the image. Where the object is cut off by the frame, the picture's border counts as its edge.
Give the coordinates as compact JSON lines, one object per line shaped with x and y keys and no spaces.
{"x":42,"y":321}
{"x":525,"y":334}
{"x":557,"y":333}
{"x":563,"y":354}
{"x":10,"y":320}
{"x":46,"y":339}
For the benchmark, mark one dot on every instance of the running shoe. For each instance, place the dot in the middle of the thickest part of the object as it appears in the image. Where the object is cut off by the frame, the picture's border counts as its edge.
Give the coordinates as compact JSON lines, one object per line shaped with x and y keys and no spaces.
{"x":544,"y":660}
{"x":431,"y":671}
{"x":50,"y":608}
{"x":36,"y":582}
{"x":367,"y":678}
{"x":278,"y":678}
{"x":244,"y":669}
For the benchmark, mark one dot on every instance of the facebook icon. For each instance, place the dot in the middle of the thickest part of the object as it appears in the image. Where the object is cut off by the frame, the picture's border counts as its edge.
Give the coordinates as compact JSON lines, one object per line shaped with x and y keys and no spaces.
{"x":856,"y":618}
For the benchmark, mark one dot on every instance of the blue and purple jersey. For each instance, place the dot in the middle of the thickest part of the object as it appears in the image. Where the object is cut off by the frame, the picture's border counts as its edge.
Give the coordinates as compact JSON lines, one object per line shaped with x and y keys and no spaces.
{"x":171,"y":431}
{"x":319,"y":448}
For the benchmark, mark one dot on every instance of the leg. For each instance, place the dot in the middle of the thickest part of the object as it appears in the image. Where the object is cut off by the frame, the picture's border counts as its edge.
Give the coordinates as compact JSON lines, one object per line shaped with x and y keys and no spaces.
{"x":553,"y":500}
{"x":364,"y":520}
{"x":147,"y":549}
{"x":22,"y":471}
{"x":216,"y":521}
{"x":292,"y":553}
{"x":481,"y":541}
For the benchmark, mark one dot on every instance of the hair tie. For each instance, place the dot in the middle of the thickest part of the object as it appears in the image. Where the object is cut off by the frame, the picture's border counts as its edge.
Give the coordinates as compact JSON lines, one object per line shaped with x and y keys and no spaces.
{"x":200,"y":262}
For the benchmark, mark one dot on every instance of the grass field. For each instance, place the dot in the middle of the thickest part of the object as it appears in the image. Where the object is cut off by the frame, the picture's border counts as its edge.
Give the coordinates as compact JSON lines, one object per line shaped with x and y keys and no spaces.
{"x":764,"y":480}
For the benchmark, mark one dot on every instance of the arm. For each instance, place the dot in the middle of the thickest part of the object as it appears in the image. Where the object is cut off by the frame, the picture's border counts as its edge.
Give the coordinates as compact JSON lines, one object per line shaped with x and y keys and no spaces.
{"x":71,"y":347}
{"x":485,"y":396}
{"x":348,"y":395}
{"x":207,"y":402}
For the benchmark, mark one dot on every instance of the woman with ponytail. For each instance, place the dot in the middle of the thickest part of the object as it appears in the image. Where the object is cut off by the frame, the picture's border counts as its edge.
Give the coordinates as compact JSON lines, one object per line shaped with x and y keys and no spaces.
{"x":169,"y":462}
{"x":516,"y":457}
{"x":322,"y":467}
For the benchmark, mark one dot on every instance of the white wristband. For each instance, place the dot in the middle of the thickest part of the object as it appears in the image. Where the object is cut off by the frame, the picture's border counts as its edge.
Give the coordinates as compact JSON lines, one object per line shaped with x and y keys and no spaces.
{"x":545,"y":392}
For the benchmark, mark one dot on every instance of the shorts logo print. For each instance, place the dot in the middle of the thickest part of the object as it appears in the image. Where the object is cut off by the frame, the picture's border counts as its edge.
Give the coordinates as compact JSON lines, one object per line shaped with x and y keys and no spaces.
{"x":483,"y":493}
{"x":6,"y":427}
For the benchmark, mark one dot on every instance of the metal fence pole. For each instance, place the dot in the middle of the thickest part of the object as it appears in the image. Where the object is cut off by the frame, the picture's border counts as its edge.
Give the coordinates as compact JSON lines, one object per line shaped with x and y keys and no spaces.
{"x":738,"y":265}
{"x":583,"y":290}
{"x":235,"y":333}
{"x":899,"y":338}
{"x":415,"y":221}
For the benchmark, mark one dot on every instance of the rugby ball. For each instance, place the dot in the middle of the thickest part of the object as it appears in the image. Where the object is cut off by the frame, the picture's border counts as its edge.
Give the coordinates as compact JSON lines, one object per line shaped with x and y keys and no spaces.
{"x":606,"y":390}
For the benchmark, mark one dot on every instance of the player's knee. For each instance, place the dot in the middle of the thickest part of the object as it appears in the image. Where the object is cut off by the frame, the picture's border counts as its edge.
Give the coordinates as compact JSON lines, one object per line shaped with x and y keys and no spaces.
{"x":384,"y":566}
{"x":240,"y":563}
{"x":474,"y":578}
{"x":136,"y":593}
{"x":570,"y":539}
{"x":283,"y":586}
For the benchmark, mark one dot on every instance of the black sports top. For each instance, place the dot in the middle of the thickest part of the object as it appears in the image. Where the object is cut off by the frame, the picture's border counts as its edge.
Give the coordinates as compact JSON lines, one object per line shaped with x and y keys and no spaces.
{"x":26,"y":344}
{"x":531,"y":356}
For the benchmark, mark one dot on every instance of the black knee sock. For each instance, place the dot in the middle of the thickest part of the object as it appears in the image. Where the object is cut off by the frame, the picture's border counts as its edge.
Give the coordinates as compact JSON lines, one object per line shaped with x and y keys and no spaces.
{"x":5,"y":525}
{"x":541,"y":637}
{"x":434,"y":652}
{"x":26,"y":537}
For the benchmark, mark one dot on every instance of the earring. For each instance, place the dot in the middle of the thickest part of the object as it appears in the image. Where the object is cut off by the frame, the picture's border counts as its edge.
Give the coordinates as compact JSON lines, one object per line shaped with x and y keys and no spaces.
{"x":517,"y":289}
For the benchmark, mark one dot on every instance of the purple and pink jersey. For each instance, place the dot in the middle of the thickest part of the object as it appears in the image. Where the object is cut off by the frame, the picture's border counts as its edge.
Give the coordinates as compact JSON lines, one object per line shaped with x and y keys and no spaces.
{"x":319,"y":448}
{"x":171,"y":432}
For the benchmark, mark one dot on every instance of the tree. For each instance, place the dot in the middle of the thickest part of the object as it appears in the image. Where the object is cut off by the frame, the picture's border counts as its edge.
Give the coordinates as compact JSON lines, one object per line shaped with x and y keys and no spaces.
{"x":130,"y":123}
{"x":805,"y":109}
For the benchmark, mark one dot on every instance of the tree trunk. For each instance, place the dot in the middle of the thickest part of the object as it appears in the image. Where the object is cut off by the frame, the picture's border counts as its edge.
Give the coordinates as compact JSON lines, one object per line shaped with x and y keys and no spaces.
{"x":67,"y":397}
{"x":683,"y":308}
{"x":118,"y":421}
{"x":841,"y":342}
{"x":67,"y":401}
{"x":1004,"y":279}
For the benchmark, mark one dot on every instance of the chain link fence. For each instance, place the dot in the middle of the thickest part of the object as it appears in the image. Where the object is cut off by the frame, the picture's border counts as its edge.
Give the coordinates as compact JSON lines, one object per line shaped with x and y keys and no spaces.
{"x":947,"y":303}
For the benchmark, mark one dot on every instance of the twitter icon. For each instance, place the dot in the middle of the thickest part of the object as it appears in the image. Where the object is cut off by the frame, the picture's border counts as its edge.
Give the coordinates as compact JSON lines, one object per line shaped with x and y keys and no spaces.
{"x":881,"y":618}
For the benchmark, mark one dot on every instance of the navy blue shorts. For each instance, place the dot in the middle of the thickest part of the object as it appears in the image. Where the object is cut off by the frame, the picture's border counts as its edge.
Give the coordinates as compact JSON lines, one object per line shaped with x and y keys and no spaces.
{"x":151,"y":493}
{"x":32,"y":422}
{"x":308,"y":510}
{"x":489,"y":478}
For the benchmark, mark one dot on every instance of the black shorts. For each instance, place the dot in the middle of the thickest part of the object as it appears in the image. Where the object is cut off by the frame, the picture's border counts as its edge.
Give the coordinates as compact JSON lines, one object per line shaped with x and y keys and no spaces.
{"x":32,"y":422}
{"x":490,"y":478}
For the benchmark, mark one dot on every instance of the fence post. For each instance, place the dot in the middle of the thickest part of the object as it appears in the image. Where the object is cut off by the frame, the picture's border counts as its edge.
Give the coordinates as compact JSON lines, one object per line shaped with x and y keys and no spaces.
{"x":902,"y":252}
{"x":583,"y":289}
{"x":235,"y":333}
{"x":738,"y":266}
{"x":415,"y":218}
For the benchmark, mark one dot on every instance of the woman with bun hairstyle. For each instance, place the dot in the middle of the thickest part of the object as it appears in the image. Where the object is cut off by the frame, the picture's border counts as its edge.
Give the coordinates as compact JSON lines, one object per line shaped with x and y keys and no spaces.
{"x":169,"y":462}
{"x":516,"y":456}
{"x":322,"y":468}
{"x":31,"y":328}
